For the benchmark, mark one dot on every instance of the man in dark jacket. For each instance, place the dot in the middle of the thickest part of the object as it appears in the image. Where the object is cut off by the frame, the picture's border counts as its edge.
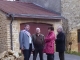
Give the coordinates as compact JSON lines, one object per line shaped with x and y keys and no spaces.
{"x":38,"y":41}
{"x":60,"y":43}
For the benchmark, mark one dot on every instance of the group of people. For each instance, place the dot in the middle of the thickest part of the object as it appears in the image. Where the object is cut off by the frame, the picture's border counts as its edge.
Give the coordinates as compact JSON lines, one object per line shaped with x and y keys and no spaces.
{"x":37,"y":43}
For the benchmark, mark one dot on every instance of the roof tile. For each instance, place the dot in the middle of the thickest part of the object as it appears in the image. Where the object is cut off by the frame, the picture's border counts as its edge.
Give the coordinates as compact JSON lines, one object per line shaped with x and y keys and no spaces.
{"x":15,"y":7}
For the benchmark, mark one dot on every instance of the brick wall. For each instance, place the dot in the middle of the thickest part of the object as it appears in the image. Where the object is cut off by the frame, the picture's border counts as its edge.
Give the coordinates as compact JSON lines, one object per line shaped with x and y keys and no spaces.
{"x":3,"y":33}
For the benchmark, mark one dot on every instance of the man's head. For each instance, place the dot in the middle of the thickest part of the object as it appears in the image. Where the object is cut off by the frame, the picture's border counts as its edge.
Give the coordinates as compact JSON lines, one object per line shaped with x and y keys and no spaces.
{"x":38,"y":30}
{"x":27,"y":27}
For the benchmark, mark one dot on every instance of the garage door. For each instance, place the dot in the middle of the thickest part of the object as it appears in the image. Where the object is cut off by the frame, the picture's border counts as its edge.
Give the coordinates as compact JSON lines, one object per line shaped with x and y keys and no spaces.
{"x":33,"y":26}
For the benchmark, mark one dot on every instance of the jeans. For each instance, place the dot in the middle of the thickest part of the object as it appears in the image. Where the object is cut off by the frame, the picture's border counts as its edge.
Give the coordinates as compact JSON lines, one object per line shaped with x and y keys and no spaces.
{"x":26,"y":54}
{"x":30,"y":50}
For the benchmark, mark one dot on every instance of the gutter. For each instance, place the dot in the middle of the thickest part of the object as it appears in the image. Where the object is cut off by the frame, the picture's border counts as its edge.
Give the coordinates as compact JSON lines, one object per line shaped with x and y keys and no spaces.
{"x":12,"y":18}
{"x":38,"y":16}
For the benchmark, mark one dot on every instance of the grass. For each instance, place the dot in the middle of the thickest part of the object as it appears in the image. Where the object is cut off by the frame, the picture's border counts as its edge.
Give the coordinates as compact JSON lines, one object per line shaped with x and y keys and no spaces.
{"x":73,"y":52}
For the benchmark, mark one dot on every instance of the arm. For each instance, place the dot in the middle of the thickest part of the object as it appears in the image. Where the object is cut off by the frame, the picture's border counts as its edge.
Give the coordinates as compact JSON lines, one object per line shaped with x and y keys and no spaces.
{"x":32,"y":44}
{"x":21,"y":39}
{"x":50,"y":38}
{"x":33,"y":40}
{"x":43,"y":40}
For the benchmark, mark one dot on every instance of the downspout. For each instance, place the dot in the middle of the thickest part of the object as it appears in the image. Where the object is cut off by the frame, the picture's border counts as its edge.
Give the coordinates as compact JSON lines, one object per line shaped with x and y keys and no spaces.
{"x":12,"y":18}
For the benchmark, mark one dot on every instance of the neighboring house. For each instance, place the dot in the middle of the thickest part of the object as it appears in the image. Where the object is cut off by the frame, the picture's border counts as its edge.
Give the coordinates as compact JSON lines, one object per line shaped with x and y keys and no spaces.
{"x":13,"y":17}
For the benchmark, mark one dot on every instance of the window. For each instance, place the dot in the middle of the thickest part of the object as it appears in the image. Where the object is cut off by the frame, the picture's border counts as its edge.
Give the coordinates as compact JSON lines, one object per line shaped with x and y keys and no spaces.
{"x":79,"y":36}
{"x":10,"y":0}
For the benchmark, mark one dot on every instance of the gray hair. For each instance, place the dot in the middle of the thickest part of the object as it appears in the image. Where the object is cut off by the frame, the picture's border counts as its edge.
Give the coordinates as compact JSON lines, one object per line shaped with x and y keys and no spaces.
{"x":60,"y":27}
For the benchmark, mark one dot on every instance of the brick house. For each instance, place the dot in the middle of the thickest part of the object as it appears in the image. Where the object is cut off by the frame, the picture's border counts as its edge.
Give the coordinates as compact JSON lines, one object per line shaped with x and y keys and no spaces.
{"x":13,"y":17}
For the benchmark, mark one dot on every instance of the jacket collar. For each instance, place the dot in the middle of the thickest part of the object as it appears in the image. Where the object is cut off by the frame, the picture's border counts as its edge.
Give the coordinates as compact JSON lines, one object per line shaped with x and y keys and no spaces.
{"x":50,"y":32}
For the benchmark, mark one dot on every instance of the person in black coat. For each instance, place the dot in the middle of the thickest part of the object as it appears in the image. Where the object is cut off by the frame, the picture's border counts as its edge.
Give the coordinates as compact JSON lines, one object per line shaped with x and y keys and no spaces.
{"x":60,"y":43}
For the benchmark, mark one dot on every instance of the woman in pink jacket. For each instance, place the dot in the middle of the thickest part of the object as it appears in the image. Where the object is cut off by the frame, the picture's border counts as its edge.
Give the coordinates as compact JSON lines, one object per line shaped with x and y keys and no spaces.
{"x":49,"y":44}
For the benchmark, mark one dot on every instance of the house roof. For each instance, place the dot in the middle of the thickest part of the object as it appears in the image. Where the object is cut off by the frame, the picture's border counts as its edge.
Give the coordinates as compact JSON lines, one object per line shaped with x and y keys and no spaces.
{"x":28,"y":10}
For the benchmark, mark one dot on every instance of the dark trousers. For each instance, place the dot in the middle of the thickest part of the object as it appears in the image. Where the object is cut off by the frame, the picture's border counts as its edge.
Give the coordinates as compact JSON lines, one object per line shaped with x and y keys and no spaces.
{"x":50,"y":56}
{"x":61,"y":55}
{"x":26,"y":54}
{"x":36,"y":51}
{"x":30,"y":50}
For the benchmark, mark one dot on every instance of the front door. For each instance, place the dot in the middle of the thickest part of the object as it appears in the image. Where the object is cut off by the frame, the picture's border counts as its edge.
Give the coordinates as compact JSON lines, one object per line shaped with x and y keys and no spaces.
{"x":79,"y":40}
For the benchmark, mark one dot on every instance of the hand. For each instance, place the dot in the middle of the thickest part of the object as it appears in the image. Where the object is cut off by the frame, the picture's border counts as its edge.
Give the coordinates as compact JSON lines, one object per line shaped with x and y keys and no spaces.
{"x":22,"y":50}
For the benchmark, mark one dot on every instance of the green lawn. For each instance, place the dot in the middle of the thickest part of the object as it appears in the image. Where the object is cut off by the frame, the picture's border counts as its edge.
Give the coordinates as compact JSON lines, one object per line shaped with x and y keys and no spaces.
{"x":73,"y":52}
